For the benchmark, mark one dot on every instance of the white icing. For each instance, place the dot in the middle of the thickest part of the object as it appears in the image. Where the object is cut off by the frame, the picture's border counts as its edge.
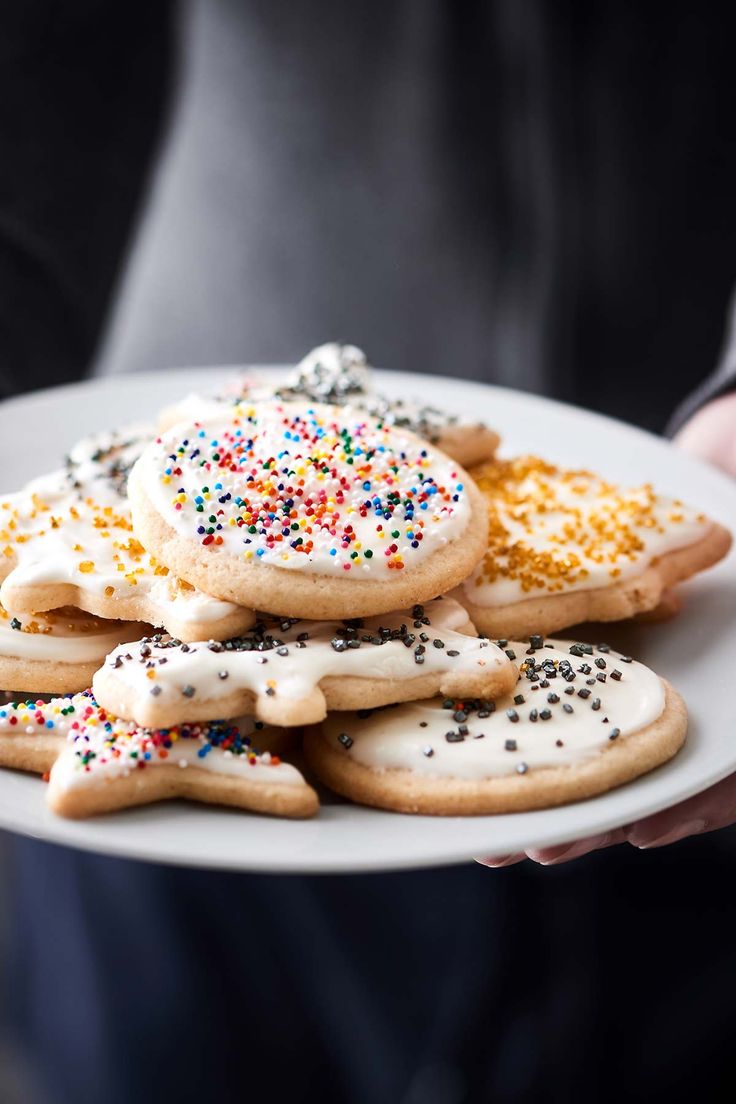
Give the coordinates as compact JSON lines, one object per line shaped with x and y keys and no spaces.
{"x":96,"y":754}
{"x":303,"y":499}
{"x":100,"y":747}
{"x":332,"y":373}
{"x":563,"y":531}
{"x":294,"y":675}
{"x":399,"y":737}
{"x":64,"y":636}
{"x":73,"y":526}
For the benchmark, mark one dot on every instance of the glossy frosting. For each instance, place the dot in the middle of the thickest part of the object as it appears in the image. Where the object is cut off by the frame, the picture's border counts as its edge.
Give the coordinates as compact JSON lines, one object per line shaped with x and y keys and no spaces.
{"x":73,"y":526}
{"x":64,"y":636}
{"x":98,"y":747}
{"x":289,"y":658}
{"x":319,"y":489}
{"x":559,"y":722}
{"x":553,"y":531}
{"x":331,"y":373}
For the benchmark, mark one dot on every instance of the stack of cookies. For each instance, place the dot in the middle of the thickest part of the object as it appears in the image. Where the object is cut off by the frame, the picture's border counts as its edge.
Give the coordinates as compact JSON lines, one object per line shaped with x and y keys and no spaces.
{"x":307,"y":581}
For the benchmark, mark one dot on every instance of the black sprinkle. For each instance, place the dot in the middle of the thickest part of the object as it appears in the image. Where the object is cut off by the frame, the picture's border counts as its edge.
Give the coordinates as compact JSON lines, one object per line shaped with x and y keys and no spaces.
{"x":536,"y":641}
{"x":600,"y":663}
{"x":604,"y":648}
{"x":511,"y":653}
{"x":270,"y":691}
{"x":614,"y":733}
{"x":188,"y":691}
{"x":522,"y":768}
{"x":533,"y":715}
{"x":626,"y":659}
{"x":616,"y":676}
{"x":155,"y":691}
{"x":345,"y":740}
{"x":223,"y":674}
{"x":595,"y":704}
{"x":568,"y":708}
{"x":600,"y":677}
{"x":553,"y":698}
{"x":454,"y":737}
{"x":512,"y":715}
{"x":559,"y":743}
{"x":510,"y":745}
{"x":519,"y":699}
{"x":453,"y":653}
{"x":282,"y":651}
{"x":583,"y":693}
{"x":428,"y":751}
{"x":545,"y":714}
{"x":438,"y":643}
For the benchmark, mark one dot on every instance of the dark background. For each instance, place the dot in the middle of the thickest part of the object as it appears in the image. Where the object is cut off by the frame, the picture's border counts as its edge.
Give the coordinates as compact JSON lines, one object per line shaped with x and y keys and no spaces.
{"x":532,"y":194}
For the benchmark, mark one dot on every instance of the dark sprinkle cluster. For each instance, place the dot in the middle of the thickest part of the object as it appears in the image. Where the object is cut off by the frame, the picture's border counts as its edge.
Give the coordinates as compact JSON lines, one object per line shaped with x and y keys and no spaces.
{"x":268,"y":635}
{"x":541,"y":672}
{"x":114,"y":468}
{"x":550,"y":684}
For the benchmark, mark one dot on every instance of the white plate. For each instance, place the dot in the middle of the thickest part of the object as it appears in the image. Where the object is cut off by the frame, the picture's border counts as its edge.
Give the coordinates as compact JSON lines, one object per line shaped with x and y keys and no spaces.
{"x":692,"y":652}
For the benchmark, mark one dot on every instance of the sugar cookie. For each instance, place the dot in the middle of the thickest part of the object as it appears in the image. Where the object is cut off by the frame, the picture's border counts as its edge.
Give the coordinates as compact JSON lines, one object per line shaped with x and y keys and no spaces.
{"x":308,"y":511}
{"x":580,"y":721}
{"x":340,"y":375}
{"x":566,"y":546}
{"x":100,"y":763}
{"x":291,"y":672}
{"x":67,"y":540}
{"x":59,"y":651}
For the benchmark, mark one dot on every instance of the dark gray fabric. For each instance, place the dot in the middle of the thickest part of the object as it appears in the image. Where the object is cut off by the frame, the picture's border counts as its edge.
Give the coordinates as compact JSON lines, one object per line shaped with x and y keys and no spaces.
{"x":529,"y":194}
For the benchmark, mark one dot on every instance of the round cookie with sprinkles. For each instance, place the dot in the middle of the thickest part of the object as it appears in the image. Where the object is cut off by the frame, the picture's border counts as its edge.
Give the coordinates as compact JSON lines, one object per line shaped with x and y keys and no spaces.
{"x":567,"y":546}
{"x":59,"y":651}
{"x":290,"y":672}
{"x":67,"y":540}
{"x":581,"y":720}
{"x":340,"y":375}
{"x":108,"y":764}
{"x":308,"y":511}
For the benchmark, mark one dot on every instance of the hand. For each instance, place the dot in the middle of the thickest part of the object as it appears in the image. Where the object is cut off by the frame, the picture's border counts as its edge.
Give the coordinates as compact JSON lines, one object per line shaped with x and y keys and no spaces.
{"x":711,"y":435}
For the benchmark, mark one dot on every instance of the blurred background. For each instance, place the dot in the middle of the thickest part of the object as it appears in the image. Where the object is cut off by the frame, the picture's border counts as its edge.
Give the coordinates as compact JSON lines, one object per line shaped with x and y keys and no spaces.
{"x":534,"y":195}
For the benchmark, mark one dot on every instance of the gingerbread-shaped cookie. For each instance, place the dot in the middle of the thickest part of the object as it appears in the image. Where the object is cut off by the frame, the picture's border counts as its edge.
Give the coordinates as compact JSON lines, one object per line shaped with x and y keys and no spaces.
{"x":308,"y":511}
{"x":567,"y":546}
{"x":580,"y":721}
{"x":59,"y":651}
{"x":100,"y":763}
{"x":291,"y":672}
{"x":340,"y":375}
{"x":67,"y":540}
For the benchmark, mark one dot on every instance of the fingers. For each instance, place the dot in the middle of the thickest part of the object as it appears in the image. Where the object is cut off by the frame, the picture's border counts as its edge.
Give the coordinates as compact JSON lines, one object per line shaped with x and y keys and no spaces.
{"x":710,"y":433}
{"x":715,"y":808}
{"x":565,"y":852}
{"x":706,"y":812}
{"x":552,"y":856}
{"x":501,"y":860}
